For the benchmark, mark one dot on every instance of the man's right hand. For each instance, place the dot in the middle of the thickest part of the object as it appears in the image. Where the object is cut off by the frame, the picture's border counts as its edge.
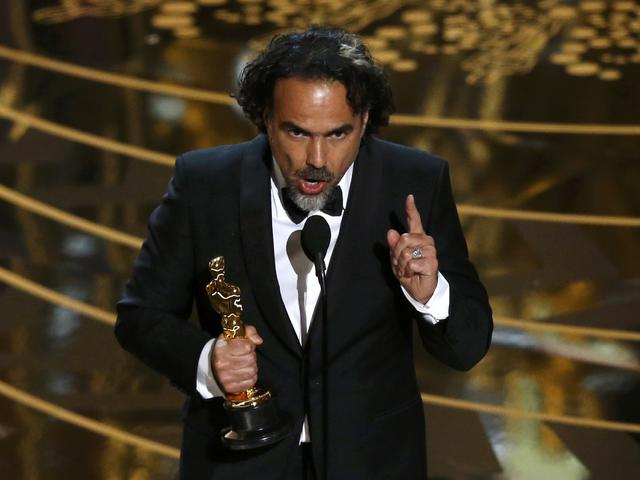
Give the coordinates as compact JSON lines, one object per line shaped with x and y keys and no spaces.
{"x":234,"y":361}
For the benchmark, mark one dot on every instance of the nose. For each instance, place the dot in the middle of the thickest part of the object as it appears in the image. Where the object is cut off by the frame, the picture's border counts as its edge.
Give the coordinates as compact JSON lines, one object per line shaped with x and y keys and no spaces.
{"x":316,"y":154}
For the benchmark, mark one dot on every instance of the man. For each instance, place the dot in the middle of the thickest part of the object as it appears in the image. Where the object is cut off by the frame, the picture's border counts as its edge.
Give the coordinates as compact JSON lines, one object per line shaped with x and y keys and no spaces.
{"x":317,"y":97}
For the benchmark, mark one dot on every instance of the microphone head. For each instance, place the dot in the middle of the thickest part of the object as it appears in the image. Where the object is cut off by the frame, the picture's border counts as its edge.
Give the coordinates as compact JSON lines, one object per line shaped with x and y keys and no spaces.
{"x":316,"y":236}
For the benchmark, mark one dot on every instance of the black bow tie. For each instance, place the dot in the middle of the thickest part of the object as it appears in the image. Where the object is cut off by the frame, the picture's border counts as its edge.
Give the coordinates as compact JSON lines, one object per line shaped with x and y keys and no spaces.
{"x":333,"y":206}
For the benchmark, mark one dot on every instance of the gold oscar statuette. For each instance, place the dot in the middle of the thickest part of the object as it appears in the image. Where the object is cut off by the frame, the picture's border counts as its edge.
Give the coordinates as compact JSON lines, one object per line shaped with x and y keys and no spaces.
{"x":253,"y":414}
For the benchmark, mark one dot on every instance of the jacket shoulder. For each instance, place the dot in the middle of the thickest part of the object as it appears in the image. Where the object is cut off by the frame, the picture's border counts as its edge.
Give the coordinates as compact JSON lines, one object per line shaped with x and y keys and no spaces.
{"x":217,"y":158}
{"x":404,"y":159}
{"x":215,"y":167}
{"x":404,"y":162}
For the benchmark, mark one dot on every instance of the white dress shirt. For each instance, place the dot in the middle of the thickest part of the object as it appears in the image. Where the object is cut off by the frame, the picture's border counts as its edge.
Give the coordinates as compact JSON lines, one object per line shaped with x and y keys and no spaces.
{"x":299,"y":287}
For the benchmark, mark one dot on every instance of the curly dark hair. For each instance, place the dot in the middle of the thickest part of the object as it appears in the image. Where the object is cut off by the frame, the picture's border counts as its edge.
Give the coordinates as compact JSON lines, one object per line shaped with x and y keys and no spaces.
{"x":317,"y":53}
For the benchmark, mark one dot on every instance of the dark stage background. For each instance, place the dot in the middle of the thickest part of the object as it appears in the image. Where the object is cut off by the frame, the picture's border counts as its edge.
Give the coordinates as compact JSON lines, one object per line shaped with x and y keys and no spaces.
{"x":535,"y":105}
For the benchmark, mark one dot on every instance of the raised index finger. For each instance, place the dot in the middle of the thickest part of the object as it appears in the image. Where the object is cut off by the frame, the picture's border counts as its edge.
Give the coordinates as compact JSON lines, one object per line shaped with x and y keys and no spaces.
{"x":413,"y":216}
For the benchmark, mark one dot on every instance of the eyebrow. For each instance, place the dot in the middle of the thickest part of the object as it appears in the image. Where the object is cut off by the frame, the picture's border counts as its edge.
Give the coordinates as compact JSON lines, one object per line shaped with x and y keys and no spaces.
{"x":344,"y":128}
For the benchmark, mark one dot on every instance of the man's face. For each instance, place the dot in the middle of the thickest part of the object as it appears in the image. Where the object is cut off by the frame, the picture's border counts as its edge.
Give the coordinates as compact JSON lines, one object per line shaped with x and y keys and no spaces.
{"x":314,"y":137}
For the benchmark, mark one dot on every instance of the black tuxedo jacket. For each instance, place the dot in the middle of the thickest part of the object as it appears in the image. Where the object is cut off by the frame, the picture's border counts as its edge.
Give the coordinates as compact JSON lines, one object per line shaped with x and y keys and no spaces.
{"x":218,"y":203}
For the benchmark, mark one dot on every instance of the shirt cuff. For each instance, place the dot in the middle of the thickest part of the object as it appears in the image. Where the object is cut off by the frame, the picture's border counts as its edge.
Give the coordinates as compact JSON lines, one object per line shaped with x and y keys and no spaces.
{"x":437,"y":308}
{"x":206,"y":384}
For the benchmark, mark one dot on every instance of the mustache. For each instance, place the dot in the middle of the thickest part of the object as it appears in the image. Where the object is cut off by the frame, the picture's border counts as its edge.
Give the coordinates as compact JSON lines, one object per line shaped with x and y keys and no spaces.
{"x":321,"y":174}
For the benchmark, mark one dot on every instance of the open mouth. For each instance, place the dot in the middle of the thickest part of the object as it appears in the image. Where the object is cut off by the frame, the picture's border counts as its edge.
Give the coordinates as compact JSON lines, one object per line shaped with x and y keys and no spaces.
{"x":310,"y":186}
{"x":313,"y":181}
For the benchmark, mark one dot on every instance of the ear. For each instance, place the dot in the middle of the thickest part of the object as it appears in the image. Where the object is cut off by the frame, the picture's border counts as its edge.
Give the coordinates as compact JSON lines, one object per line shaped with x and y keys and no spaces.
{"x":266,"y":119}
{"x":365,"y":119}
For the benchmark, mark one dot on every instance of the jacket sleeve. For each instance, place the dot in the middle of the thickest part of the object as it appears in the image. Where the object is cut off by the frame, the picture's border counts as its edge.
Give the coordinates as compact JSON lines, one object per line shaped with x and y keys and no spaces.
{"x":463,"y":338}
{"x":156,"y":304}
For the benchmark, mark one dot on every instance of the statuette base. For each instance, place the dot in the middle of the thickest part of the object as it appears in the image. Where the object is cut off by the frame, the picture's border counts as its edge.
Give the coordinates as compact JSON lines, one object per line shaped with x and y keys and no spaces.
{"x":253,"y":425}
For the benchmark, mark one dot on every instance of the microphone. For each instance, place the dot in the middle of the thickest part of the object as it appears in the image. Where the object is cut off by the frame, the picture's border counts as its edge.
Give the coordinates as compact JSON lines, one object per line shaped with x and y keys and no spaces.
{"x":315,"y":239}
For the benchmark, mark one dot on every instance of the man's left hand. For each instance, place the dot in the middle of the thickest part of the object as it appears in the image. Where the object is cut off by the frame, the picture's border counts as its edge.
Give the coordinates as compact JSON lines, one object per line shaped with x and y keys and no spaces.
{"x":413,"y":256}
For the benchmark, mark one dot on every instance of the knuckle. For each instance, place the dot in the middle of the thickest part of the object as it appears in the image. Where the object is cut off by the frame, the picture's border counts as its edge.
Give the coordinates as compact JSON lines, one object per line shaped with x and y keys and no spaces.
{"x":246,"y":363}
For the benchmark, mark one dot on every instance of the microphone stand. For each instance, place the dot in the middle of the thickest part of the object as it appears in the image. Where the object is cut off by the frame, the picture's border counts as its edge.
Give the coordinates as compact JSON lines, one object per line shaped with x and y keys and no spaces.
{"x":321,"y":274}
{"x":315,"y":239}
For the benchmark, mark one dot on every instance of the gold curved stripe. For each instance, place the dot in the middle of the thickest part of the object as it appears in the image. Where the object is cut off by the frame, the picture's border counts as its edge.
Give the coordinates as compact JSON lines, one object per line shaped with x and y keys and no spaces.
{"x":51,"y":296}
{"x":163,"y":88}
{"x":167,"y":160}
{"x":529,"y":415}
{"x":81,"y":421}
{"x":566,"y":329}
{"x":528,"y":215}
{"x":68,"y":219}
{"x":506,"y":126}
{"x":119,"y":80}
{"x":108,"y":431}
{"x":96,"y":141}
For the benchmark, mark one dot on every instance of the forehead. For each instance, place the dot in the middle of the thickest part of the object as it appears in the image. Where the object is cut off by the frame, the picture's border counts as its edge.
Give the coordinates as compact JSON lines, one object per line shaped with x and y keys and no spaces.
{"x":311,"y":101}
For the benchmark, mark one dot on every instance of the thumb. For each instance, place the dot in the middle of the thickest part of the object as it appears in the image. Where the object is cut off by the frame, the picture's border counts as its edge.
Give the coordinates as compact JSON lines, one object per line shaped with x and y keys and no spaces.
{"x":392,"y":238}
{"x":252,"y":334}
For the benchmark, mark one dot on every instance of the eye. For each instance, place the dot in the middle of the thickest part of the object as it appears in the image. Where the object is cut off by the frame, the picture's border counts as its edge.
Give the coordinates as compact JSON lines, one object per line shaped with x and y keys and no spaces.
{"x":296,"y":132}
{"x":339,"y":134}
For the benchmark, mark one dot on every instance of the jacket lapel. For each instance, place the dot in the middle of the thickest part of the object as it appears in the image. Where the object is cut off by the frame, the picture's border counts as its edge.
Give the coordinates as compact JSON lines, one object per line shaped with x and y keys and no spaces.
{"x":257,"y":241}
